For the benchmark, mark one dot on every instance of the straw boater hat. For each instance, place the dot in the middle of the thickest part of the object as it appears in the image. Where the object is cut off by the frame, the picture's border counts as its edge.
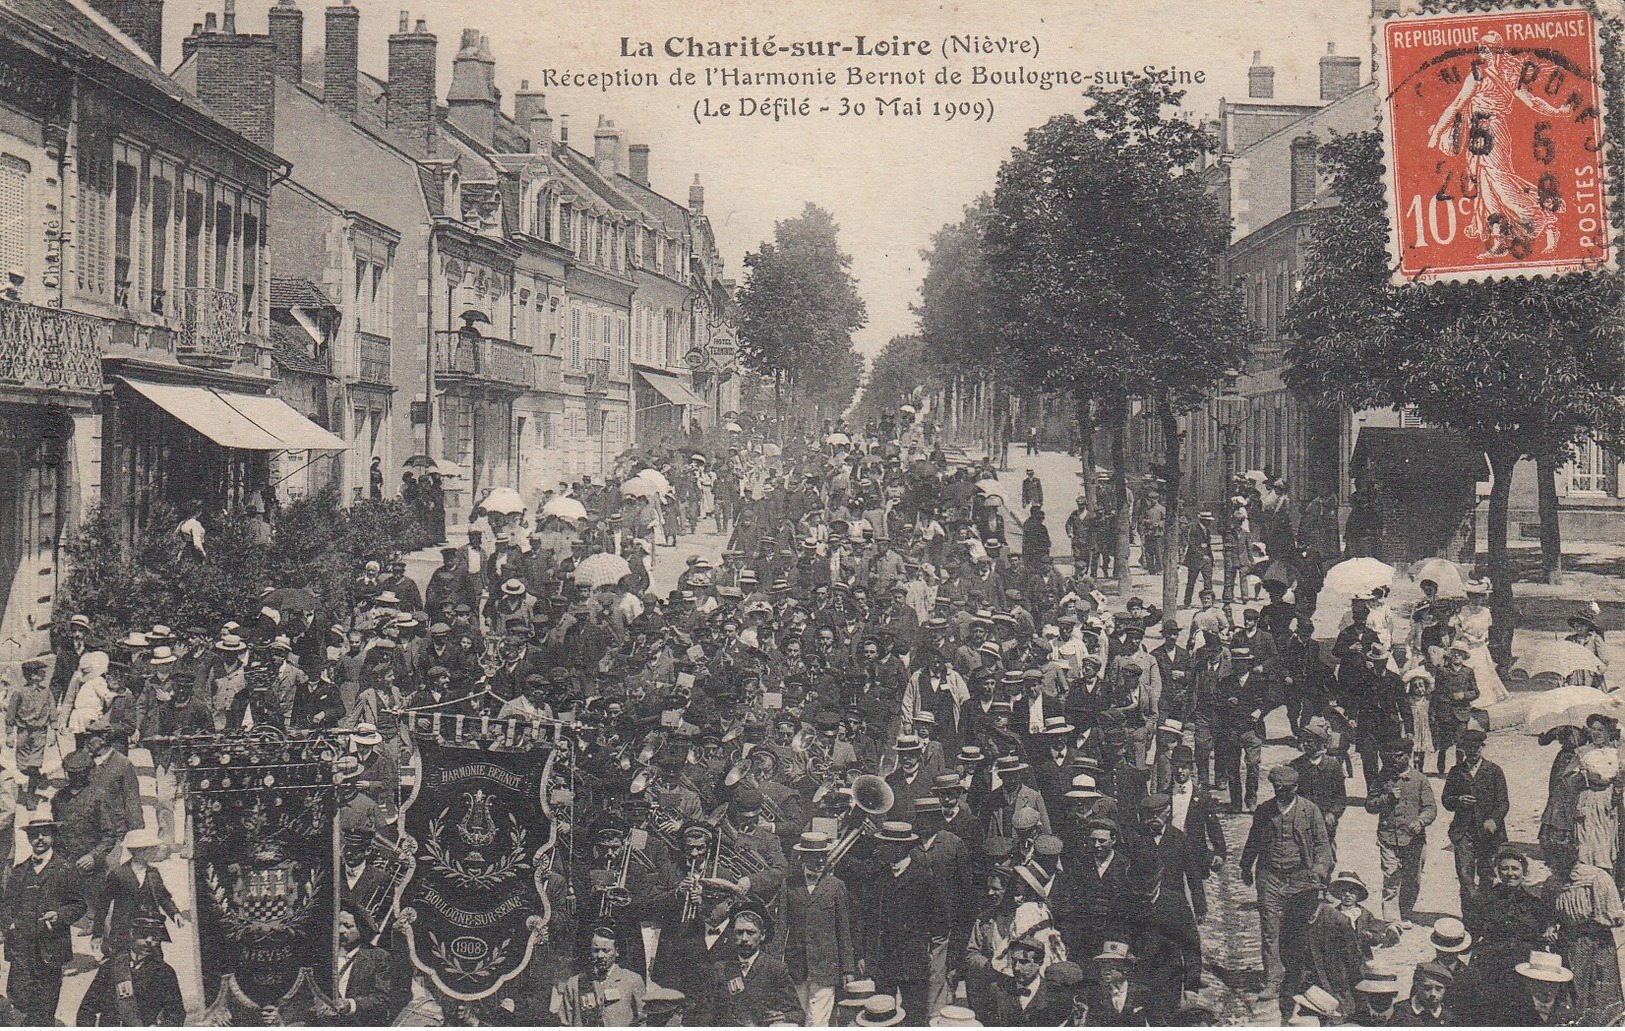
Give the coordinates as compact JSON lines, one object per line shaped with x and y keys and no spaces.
{"x":1083,"y":786}
{"x":1376,"y":979}
{"x":1450,"y":935}
{"x":1115,"y":952}
{"x":814,"y":841}
{"x":1545,"y":966}
{"x":1057,"y":726}
{"x":880,"y":1011}
{"x":367,"y":734}
{"x":1318,"y":1001}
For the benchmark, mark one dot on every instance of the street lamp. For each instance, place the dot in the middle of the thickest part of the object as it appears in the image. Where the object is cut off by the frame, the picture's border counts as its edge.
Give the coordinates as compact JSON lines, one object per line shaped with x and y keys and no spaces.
{"x":1230,"y":414}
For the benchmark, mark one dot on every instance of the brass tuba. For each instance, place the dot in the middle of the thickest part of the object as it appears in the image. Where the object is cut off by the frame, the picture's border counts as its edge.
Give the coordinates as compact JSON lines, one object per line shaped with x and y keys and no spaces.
{"x":872,"y":798}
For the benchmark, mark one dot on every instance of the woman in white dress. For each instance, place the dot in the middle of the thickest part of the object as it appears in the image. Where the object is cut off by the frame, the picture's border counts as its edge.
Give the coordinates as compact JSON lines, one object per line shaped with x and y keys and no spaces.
{"x":1472,"y":628}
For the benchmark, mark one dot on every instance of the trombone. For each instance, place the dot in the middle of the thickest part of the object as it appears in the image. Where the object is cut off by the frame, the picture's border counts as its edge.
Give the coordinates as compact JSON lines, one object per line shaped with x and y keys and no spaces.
{"x":873,"y":798}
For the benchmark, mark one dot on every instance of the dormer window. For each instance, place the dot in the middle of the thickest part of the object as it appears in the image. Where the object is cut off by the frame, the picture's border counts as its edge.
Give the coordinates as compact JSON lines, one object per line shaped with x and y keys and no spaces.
{"x":454,"y":191}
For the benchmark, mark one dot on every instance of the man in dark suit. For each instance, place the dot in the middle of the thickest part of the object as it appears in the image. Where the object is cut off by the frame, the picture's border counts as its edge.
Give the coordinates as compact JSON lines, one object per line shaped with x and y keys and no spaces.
{"x":135,"y":987}
{"x":134,"y":889}
{"x":1190,"y":811}
{"x":1476,"y":791}
{"x":818,"y":932}
{"x":907,"y":903}
{"x":42,"y":901}
{"x":752,"y":989}
{"x":1320,"y":776}
{"x":363,"y":977}
{"x":1093,"y":901}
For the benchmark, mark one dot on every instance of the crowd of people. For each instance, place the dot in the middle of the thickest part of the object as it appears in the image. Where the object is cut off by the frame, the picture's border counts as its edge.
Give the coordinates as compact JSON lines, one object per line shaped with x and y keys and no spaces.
{"x":869,"y":768}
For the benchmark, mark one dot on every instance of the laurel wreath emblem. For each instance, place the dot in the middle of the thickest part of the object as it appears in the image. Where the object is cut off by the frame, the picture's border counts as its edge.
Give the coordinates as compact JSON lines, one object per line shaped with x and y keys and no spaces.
{"x":477,"y":970}
{"x":504,"y":869}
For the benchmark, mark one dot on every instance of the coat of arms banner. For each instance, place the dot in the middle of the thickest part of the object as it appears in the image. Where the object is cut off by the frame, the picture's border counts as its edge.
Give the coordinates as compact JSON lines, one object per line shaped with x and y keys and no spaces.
{"x":262,"y":809}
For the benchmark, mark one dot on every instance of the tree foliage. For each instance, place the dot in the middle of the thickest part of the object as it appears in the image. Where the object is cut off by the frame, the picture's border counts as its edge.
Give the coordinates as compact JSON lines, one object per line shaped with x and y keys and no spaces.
{"x":895,"y":375}
{"x":1520,"y":367}
{"x":1104,"y":244}
{"x":799,"y":307}
{"x":959,"y":322}
{"x":318,"y":544}
{"x":1103,"y":241}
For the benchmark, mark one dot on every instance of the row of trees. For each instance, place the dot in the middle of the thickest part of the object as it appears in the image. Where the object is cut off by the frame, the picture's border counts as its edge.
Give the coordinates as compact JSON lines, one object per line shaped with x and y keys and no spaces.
{"x":1091,"y":273}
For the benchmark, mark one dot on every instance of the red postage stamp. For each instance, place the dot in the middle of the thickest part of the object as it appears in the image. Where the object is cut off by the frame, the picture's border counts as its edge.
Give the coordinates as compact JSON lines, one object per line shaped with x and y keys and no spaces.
{"x":1493,"y":127}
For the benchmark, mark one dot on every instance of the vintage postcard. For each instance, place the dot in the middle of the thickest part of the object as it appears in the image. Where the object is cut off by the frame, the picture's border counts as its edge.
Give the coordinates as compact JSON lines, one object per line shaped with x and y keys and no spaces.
{"x":1027,"y":514}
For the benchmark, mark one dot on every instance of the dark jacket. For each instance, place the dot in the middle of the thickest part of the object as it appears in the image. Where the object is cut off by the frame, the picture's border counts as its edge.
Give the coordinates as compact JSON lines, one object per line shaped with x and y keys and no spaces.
{"x":904,"y":921}
{"x":124,"y":899}
{"x":765,"y":996}
{"x":818,"y":945}
{"x":369,"y":989}
{"x":1306,"y":826}
{"x":30,"y":895}
{"x":155,"y":995}
{"x":1488,"y":786}
{"x":1323,"y":783}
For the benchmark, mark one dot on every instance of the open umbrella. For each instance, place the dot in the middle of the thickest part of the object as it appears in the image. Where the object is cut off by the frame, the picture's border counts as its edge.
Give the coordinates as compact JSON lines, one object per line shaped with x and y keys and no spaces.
{"x":910,"y":409}
{"x":733,"y":427}
{"x":657,"y":478}
{"x":837,"y":438}
{"x":1256,"y":475}
{"x":565,"y":508}
{"x":601,"y":569}
{"x":290,"y":599}
{"x":1569,"y":706}
{"x":988,"y":486}
{"x":638,"y":487}
{"x":503,"y":501}
{"x":1444,"y":573}
{"x":1561,"y":657}
{"x":1357,"y":576}
{"x":425,"y":464}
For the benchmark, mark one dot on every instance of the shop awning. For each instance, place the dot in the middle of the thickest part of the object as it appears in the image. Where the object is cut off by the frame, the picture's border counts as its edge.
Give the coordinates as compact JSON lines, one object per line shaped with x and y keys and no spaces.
{"x":279,"y":418}
{"x":246,"y":422}
{"x":671,"y":388}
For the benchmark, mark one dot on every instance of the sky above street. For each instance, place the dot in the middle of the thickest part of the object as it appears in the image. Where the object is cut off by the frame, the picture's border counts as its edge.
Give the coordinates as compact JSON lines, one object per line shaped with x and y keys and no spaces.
{"x":890,"y":179}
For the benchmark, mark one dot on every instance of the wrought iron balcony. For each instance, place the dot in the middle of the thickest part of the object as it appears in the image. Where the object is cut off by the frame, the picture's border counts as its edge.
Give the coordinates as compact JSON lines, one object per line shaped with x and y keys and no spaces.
{"x":211,"y":323}
{"x":466,"y":356}
{"x":372,"y":358}
{"x":52,"y":348}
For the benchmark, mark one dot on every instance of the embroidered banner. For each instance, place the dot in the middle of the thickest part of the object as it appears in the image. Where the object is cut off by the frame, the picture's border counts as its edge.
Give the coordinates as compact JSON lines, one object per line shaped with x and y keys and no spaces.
{"x":263,"y":823}
{"x":479,"y":834}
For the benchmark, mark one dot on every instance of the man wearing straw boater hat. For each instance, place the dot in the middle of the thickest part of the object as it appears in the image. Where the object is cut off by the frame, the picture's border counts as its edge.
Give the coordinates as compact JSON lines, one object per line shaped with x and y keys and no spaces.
{"x":42,"y":901}
{"x":904,"y":924}
{"x":818,"y":933}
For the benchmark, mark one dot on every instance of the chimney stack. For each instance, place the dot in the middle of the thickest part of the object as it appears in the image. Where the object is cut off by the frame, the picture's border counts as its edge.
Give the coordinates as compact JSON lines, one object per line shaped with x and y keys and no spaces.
{"x":525,"y":103}
{"x":211,"y":23}
{"x":638,"y":163}
{"x":341,"y":50}
{"x":564,"y":130}
{"x":236,"y":79}
{"x":1260,"y":78}
{"x":1304,"y":177}
{"x":606,"y":148}
{"x":1339,"y":75}
{"x":411,"y":109}
{"x":472,"y":101}
{"x":696,"y":196}
{"x":228,"y":21}
{"x":287,"y":23}
{"x":141,"y":20}
{"x":539,"y":123}
{"x":189,"y":44}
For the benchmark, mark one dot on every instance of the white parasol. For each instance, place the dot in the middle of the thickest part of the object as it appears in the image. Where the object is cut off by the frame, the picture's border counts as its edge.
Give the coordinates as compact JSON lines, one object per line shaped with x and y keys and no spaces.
{"x":503,"y":501}
{"x":602,"y":569}
{"x":1569,"y":706}
{"x":564,"y":508}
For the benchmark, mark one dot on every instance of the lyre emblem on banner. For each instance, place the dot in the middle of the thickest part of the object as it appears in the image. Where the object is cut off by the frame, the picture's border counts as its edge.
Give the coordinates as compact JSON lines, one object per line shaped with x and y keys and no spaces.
{"x":476,"y":827}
